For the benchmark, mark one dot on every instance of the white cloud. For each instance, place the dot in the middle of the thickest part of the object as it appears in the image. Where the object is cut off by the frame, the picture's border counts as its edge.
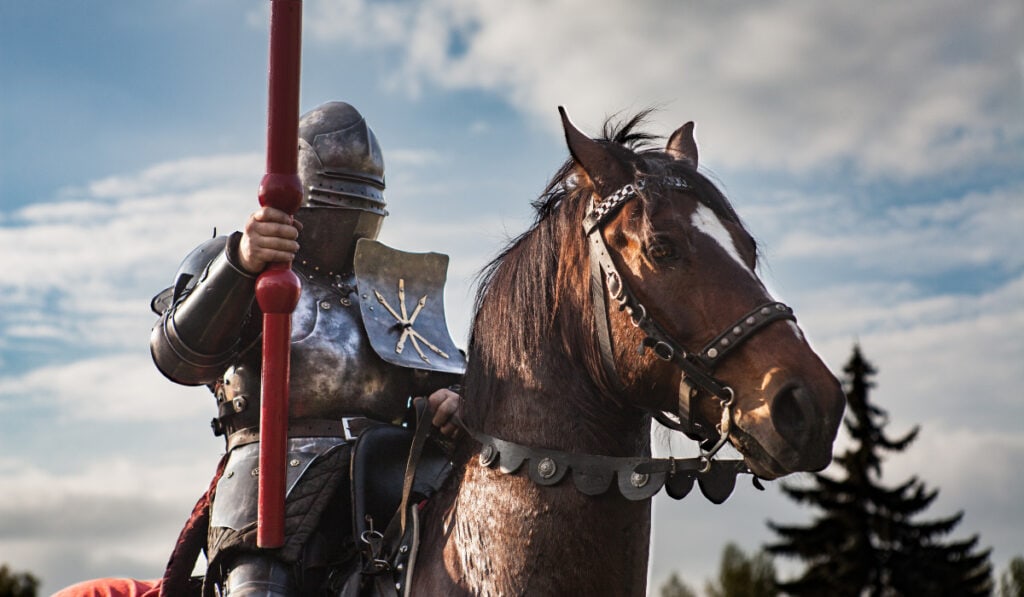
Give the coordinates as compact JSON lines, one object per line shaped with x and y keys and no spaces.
{"x":114,"y":516}
{"x":120,"y":387}
{"x":89,"y":263}
{"x":399,"y":159}
{"x":977,"y":230}
{"x":785,"y":84}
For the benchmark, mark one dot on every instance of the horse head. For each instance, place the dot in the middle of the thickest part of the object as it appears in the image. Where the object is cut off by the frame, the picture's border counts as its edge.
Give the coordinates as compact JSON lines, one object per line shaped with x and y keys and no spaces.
{"x":685,"y":324}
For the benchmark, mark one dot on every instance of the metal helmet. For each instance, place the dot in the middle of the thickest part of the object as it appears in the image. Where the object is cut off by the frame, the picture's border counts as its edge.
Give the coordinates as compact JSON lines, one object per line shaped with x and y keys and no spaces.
{"x":342,"y":173}
{"x":340,"y":162}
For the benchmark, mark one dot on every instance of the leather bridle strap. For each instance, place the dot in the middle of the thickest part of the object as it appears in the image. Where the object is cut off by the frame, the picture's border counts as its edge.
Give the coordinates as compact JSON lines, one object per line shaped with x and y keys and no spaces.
{"x":657,"y":339}
{"x":598,"y":255}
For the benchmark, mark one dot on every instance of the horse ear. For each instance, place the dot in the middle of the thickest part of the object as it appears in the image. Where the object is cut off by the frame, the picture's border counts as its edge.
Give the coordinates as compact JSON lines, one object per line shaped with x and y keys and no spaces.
{"x":681,"y":145}
{"x":606,"y":170}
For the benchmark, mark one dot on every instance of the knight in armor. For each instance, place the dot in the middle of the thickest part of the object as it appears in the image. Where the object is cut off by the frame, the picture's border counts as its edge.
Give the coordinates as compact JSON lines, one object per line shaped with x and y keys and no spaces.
{"x":368,"y":334}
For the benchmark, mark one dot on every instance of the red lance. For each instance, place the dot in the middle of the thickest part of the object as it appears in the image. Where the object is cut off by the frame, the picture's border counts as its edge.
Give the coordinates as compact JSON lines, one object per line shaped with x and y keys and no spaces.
{"x":278,"y":288}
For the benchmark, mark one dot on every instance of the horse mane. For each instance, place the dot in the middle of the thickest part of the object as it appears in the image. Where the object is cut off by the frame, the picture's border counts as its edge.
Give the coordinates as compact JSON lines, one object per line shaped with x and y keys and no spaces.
{"x":536,"y":291}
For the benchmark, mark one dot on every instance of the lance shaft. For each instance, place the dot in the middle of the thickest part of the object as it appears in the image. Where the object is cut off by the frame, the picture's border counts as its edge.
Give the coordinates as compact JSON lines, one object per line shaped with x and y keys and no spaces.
{"x":278,"y":288}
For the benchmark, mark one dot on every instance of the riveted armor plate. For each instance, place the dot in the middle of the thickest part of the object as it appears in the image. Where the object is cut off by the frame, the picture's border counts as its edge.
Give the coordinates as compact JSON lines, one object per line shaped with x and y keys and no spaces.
{"x":402,"y":304}
{"x":235,"y":506}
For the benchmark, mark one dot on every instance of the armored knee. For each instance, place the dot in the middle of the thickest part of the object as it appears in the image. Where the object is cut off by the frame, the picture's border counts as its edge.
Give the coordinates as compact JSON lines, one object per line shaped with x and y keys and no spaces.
{"x":254,"y":575}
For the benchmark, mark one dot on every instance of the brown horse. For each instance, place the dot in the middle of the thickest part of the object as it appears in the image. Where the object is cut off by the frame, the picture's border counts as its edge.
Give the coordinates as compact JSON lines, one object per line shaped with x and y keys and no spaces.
{"x":581,"y":334}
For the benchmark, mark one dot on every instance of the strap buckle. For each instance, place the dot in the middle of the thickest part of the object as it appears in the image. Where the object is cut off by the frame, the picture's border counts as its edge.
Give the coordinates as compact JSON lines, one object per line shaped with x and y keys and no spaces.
{"x":346,"y":425}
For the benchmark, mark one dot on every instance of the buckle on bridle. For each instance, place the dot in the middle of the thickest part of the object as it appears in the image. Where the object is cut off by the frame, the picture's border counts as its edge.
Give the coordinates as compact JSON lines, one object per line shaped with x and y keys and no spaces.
{"x":724,"y":427}
{"x":664,"y":351}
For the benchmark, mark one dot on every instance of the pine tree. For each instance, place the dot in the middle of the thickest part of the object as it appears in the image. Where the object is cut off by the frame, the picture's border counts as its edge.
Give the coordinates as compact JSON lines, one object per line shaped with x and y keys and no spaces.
{"x":867,"y":540}
{"x":742,"y":576}
{"x":675,"y":587}
{"x":17,"y":584}
{"x":1011,"y":583}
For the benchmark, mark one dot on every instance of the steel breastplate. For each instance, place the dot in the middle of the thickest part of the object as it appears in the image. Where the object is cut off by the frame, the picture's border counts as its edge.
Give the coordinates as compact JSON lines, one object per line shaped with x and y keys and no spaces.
{"x":335,"y":372}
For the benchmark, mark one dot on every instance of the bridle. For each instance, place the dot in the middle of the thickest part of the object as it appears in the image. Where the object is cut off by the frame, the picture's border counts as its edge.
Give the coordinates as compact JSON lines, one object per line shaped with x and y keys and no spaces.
{"x":641,"y":477}
{"x":697,"y":368}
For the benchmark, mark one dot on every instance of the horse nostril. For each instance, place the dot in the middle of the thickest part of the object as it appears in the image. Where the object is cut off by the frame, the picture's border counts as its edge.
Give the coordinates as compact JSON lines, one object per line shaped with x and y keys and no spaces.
{"x":793,"y":415}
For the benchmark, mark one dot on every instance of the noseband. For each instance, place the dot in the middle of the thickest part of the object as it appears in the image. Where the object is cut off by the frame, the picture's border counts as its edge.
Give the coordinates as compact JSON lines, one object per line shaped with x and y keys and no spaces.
{"x":697,"y":368}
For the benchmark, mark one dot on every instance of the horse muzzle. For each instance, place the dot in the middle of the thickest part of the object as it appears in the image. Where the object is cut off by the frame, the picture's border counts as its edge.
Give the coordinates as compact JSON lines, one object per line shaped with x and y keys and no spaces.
{"x":792,"y":430}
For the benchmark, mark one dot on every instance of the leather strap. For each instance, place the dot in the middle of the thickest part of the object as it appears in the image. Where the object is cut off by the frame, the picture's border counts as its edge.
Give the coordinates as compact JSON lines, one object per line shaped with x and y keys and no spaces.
{"x":604,"y":336}
{"x":347,"y":427}
{"x":638,"y":478}
{"x":388,"y":547}
{"x":742,"y":330}
{"x":423,"y":426}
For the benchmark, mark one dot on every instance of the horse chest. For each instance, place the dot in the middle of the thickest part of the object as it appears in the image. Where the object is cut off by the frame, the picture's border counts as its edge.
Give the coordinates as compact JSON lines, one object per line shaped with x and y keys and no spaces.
{"x":510,"y":537}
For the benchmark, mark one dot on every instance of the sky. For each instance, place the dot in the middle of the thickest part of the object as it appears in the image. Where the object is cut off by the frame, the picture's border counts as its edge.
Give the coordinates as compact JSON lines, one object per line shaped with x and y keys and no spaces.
{"x":874,"y":149}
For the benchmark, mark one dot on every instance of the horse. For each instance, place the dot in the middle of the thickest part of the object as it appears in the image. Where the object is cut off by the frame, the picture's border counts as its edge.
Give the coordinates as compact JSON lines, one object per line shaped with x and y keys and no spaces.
{"x":583,"y":333}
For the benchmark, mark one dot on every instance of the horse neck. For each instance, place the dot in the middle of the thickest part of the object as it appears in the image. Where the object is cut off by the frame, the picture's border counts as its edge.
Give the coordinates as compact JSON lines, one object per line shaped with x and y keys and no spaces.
{"x":506,"y":535}
{"x":552,"y":402}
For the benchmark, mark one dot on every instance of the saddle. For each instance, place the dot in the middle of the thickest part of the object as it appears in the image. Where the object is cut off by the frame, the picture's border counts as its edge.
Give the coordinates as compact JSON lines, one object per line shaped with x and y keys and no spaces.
{"x":393,"y":469}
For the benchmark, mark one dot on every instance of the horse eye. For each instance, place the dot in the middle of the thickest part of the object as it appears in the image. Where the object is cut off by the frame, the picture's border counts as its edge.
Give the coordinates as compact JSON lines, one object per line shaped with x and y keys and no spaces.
{"x":660,"y":250}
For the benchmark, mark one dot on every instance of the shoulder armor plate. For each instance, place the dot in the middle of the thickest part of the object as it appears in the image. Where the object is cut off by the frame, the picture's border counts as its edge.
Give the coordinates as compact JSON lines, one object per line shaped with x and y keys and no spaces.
{"x":402,"y":305}
{"x":193,"y":265}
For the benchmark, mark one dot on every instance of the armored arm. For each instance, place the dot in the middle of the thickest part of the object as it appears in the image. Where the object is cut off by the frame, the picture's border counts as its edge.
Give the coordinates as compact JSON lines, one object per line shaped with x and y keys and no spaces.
{"x":200,"y":333}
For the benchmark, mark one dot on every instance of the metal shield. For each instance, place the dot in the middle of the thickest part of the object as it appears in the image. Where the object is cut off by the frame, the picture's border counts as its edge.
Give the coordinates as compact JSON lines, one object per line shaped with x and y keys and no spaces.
{"x":401,"y":298}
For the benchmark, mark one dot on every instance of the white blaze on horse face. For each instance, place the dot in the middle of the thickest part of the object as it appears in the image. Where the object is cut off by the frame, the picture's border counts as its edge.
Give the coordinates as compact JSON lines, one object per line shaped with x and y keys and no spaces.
{"x":707,"y":221}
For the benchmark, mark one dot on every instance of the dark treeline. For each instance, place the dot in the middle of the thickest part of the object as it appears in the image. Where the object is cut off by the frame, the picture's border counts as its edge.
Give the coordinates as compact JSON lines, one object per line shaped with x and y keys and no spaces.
{"x":17,"y":584}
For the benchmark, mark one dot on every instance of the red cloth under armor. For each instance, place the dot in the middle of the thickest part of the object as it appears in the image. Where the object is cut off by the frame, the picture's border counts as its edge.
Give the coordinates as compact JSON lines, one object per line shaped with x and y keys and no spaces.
{"x":112,"y":587}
